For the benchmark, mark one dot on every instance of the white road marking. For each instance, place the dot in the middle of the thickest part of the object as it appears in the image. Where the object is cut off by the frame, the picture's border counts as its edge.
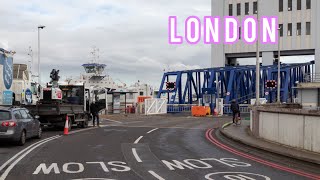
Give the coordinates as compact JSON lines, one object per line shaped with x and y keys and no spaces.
{"x":80,"y":130}
{"x":5,"y":174}
{"x":134,"y":151}
{"x":152,"y":130}
{"x":156,"y":175}
{"x":137,"y":141}
{"x":113,"y":121}
{"x":93,"y":179}
{"x":22,"y":151}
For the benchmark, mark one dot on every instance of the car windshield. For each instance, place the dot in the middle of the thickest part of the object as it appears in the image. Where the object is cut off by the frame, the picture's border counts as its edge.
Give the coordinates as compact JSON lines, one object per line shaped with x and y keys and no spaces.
{"x":5,"y":115}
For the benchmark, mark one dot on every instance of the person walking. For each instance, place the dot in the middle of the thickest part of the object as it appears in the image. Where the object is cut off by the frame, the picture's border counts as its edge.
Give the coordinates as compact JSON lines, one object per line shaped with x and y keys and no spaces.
{"x":235,"y":111}
{"x":95,"y":114}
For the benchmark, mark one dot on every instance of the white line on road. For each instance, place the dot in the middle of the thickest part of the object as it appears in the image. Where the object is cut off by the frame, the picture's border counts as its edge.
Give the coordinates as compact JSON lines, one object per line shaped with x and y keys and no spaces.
{"x":80,"y":130}
{"x":134,"y":151}
{"x":156,"y":175}
{"x":5,"y":174}
{"x":136,"y":142}
{"x":113,"y":121}
{"x":152,"y":130}
{"x":22,"y":151}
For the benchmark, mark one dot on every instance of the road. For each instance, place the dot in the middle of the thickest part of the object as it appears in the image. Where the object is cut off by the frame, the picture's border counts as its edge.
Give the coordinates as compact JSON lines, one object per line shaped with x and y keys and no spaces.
{"x":160,"y":147}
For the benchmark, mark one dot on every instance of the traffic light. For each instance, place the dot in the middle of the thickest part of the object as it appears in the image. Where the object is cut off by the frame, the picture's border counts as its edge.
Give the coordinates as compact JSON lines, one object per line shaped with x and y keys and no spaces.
{"x":171,"y":86}
{"x":271,"y":84}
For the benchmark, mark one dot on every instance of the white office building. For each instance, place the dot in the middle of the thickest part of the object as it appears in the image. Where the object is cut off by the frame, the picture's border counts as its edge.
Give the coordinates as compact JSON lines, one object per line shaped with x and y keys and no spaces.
{"x":299,"y":21}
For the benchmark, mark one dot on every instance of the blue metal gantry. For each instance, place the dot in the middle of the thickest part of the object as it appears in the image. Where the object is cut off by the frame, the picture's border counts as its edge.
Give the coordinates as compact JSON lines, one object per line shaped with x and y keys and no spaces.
{"x":234,"y":82}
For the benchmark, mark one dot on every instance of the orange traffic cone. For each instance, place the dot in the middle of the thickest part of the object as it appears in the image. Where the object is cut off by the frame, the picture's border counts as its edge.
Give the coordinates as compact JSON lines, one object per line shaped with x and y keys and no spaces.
{"x":66,"y":127}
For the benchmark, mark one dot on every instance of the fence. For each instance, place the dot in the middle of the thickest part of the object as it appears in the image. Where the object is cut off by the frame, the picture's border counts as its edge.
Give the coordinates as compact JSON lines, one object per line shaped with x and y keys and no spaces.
{"x":155,"y":106}
{"x":176,"y":108}
{"x":314,"y":77}
{"x":244,"y":108}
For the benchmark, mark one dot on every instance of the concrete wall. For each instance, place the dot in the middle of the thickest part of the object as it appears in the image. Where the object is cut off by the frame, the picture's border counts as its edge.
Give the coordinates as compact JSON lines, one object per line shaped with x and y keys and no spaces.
{"x":289,"y":126}
{"x":308,"y":98}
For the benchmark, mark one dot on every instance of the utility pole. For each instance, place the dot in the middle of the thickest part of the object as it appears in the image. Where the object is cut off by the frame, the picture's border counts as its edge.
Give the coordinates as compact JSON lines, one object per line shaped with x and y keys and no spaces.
{"x":257,"y":61}
{"x":279,"y":64}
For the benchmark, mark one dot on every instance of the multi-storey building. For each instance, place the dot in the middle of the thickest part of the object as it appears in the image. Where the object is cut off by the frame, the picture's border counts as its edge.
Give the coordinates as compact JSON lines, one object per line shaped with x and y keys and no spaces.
{"x":299,"y":21}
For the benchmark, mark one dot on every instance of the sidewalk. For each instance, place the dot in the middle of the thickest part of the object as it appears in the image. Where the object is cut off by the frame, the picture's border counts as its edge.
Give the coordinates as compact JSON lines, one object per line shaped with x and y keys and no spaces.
{"x":242,"y":134}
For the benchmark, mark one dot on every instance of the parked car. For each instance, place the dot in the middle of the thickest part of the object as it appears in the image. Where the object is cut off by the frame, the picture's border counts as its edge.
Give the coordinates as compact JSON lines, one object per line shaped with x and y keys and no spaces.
{"x":17,"y":124}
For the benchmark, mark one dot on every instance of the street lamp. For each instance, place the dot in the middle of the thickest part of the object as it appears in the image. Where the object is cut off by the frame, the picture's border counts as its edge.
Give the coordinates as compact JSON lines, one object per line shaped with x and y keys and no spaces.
{"x":258,"y":62}
{"x":278,"y":93}
{"x":39,"y":76}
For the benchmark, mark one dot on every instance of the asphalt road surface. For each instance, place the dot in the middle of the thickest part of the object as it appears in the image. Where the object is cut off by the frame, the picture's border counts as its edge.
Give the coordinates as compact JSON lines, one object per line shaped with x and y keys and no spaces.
{"x":140,"y":147}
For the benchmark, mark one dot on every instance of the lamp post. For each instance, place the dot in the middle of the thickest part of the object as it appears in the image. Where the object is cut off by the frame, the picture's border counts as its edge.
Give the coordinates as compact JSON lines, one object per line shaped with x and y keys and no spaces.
{"x":39,"y":76}
{"x":278,"y":84}
{"x":257,"y":61}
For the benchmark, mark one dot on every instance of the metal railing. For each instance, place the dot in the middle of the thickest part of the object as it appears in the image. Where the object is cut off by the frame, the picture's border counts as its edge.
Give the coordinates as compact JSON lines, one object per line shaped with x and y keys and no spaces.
{"x":244,"y":108}
{"x":313,"y":77}
{"x":175,"y":108}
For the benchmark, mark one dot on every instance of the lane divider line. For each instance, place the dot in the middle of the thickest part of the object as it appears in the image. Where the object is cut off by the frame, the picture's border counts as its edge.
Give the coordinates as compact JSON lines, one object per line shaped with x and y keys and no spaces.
{"x":273,"y":165}
{"x":152,"y":130}
{"x":137,"y":141}
{"x":22,"y":151}
{"x":156,"y":175}
{"x":135,"y":154}
{"x":5,"y":174}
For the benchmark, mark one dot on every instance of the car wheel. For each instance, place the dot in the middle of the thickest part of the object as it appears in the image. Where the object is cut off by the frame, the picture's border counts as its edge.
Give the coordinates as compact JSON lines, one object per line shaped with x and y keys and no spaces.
{"x":39,"y":135}
{"x":22,"y":139}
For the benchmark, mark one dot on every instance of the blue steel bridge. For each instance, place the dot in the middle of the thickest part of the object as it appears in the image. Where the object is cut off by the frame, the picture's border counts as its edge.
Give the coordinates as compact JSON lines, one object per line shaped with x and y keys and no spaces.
{"x":233,"y":82}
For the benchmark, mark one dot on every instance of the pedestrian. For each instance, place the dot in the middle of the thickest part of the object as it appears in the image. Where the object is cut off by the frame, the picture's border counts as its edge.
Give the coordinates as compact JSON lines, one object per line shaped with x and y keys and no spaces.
{"x":95,"y":114}
{"x":235,"y":111}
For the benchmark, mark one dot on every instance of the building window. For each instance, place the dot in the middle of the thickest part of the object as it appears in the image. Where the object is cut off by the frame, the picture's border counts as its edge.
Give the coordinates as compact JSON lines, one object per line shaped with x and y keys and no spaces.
{"x":298,"y":29}
{"x":289,"y":29}
{"x":280,"y":5}
{"x":298,"y":4}
{"x":308,"y":4}
{"x":247,"y":8}
{"x":230,"y":9}
{"x":281,"y":30}
{"x":238,"y":9}
{"x":289,"y":5}
{"x":255,"y":7}
{"x":308,"y":28}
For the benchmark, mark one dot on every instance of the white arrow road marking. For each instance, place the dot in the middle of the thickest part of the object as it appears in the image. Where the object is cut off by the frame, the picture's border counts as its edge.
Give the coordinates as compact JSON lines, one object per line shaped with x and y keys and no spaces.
{"x":5,"y":174}
{"x":152,"y":130}
{"x":137,"y":141}
{"x":156,"y":175}
{"x":134,"y":151}
{"x":22,"y":151}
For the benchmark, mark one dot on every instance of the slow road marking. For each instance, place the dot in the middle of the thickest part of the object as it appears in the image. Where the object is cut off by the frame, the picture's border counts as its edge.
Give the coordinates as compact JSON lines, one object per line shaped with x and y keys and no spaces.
{"x":156,"y":175}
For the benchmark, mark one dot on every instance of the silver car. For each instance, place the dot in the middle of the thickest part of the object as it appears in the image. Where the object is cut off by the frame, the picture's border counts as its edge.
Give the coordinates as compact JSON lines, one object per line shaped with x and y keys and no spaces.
{"x":17,"y":124}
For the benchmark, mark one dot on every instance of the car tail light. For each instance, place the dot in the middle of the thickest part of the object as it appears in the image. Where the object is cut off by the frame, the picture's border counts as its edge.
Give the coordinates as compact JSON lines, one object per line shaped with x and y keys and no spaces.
{"x":8,"y":124}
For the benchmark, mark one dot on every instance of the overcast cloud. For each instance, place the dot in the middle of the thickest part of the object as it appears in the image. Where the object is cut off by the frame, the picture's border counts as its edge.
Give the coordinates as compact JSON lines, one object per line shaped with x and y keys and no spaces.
{"x":131,"y":35}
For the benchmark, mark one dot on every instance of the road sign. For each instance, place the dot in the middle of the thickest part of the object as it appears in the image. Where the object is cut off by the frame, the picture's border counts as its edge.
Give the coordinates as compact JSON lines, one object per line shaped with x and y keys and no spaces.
{"x":7,"y":97}
{"x":271,"y":84}
{"x":228,"y":93}
{"x":28,"y":96}
{"x":266,"y":93}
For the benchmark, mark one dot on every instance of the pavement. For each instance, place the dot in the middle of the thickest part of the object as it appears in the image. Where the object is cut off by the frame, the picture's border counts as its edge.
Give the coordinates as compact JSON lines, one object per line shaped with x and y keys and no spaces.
{"x":160,"y":147}
{"x":242,"y":133}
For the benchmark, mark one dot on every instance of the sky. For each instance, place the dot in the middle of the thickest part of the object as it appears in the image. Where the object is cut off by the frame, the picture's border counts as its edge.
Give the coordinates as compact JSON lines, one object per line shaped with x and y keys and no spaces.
{"x":132,"y":36}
